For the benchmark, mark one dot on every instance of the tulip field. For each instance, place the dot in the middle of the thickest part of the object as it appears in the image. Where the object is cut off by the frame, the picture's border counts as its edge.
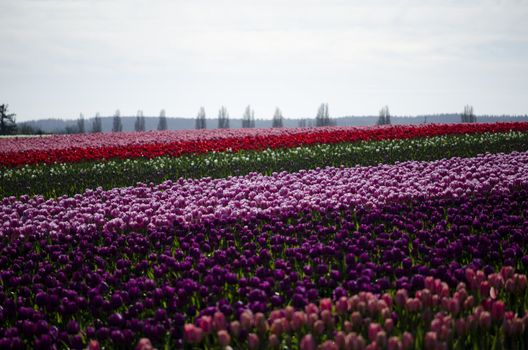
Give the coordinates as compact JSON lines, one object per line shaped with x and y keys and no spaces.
{"x":390,"y":237}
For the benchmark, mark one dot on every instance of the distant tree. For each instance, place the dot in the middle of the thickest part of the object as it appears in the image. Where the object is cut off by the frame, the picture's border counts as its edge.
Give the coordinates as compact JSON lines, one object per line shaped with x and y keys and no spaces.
{"x":468,"y":116}
{"x":277,"y":119}
{"x":7,"y":121}
{"x":248,"y":120}
{"x":97,"y":125}
{"x":71,"y":129}
{"x":162,"y":123}
{"x":323,"y":118}
{"x":139,"y":125}
{"x":80,"y":124}
{"x":223,"y":118}
{"x":384,"y":116}
{"x":27,"y":129}
{"x":302,"y":123}
{"x":117,"y":125}
{"x":201,"y":123}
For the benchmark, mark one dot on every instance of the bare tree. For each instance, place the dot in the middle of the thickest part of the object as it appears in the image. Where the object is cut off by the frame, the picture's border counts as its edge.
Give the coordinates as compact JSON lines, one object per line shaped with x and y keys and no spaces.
{"x":97,"y":125}
{"x":248,"y":120}
{"x":323,"y":118}
{"x":139,"y":125}
{"x":117,"y":125}
{"x":278,"y":119}
{"x":384,"y":116}
{"x":201,"y":123}
{"x":162,"y":123}
{"x":468,"y":116}
{"x":223,"y":118}
{"x":7,"y":121}
{"x":80,"y":124}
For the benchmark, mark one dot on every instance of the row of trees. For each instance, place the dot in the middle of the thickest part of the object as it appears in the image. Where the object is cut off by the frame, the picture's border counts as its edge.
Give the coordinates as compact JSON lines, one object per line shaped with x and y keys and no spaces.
{"x":8,"y":124}
{"x":248,"y":119}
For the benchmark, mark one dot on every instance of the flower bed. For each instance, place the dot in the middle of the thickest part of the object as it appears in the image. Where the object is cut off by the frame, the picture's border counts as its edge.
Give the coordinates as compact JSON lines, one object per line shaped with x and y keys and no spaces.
{"x":52,"y":180}
{"x":76,"y":148}
{"x":155,"y":261}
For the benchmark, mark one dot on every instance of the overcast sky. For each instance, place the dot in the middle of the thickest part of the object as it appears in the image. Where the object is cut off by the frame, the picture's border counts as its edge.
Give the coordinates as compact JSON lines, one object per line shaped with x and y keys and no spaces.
{"x":63,"y":57}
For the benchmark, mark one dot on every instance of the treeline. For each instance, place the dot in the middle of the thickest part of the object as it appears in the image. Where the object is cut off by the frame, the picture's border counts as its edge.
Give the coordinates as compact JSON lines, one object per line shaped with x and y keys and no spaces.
{"x":118,"y":123}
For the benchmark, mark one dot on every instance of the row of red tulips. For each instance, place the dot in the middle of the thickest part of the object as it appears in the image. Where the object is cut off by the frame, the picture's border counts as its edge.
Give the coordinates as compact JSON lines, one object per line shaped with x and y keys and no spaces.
{"x":62,"y":150}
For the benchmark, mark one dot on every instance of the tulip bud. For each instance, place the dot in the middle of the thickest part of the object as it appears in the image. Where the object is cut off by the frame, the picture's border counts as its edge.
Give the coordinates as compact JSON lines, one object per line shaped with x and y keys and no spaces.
{"x":372,"y":308}
{"x":372,"y":346}
{"x":485,"y":320}
{"x":342,"y":306}
{"x":430,"y":340}
{"x":72,"y":327}
{"x":461,"y":327}
{"x":192,"y":333}
{"x":407,"y":341}
{"x":429,"y":282}
{"x":94,"y":345}
{"x":246,"y":320}
{"x":387,"y":298}
{"x":496,"y":280}
{"x":517,"y":326}
{"x":497,"y":310}
{"x":276,"y":327}
{"x":385,"y":313}
{"x":361,"y":343}
{"x":356,"y":319}
{"x":311,"y":319}
{"x":298,"y":320}
{"x":401,"y":297}
{"x":318,"y":327}
{"x":273,"y":341}
{"x":353,"y":301}
{"x":307,"y":343}
{"x":325,"y":304}
{"x":311,"y":309}
{"x":506,"y":272}
{"x":327,"y":318}
{"x":329,"y":345}
{"x":219,"y":321}
{"x":453,"y":306}
{"x":206,"y":324}
{"x":470,"y":276}
{"x":223,"y":338}
{"x":484,"y":289}
{"x":507,"y":327}
{"x":253,"y":341}
{"x":381,"y":339}
{"x":289,"y":312}
{"x":340,"y":339}
{"x":235,"y":328}
{"x":373,"y":330}
{"x":347,"y":327}
{"x":469,"y":302}
{"x":261,"y":323}
{"x":144,"y":344}
{"x":394,"y":344}
{"x":388,"y":325}
{"x":362,"y":307}
{"x":520,"y":283}
{"x":413,"y":305}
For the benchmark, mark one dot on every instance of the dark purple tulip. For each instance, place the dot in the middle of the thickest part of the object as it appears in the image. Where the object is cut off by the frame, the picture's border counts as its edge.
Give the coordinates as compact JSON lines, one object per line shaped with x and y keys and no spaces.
{"x":72,"y":327}
{"x":116,"y":320}
{"x":117,"y":337}
{"x":103,"y":333}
